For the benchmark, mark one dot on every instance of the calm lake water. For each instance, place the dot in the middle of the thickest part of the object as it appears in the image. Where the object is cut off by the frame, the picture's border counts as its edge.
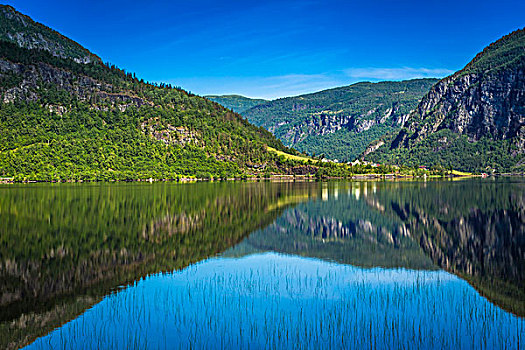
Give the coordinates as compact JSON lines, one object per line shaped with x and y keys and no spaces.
{"x":437,"y":264}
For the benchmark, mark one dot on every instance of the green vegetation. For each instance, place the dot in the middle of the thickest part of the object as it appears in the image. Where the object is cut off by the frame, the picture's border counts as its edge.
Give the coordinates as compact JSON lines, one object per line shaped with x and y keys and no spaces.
{"x":289,"y":156}
{"x":449,"y":150}
{"x":342,"y":144}
{"x":340,"y":122}
{"x":505,"y":53}
{"x":236,"y":103}
{"x":472,"y":120}
{"x":121,"y":128}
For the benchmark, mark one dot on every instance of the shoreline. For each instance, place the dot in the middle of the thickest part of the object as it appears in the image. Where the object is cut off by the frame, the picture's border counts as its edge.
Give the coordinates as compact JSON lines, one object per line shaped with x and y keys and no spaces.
{"x":282,"y":177}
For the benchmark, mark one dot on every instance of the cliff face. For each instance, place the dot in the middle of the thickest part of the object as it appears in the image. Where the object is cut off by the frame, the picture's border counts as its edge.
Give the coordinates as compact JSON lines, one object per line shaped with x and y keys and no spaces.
{"x":34,"y":80}
{"x":477,"y":105}
{"x":479,"y":109}
{"x":328,"y":122}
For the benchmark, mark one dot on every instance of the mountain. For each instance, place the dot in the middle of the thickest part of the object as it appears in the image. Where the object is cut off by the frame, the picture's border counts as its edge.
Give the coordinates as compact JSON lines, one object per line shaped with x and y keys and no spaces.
{"x":23,"y":31}
{"x":236,"y":103}
{"x":473,"y":120}
{"x":340,"y":122}
{"x":65,"y":115}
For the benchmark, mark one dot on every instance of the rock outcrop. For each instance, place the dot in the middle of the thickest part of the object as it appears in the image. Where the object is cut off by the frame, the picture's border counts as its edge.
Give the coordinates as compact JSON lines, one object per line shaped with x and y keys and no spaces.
{"x":477,"y":105}
{"x":483,"y":101}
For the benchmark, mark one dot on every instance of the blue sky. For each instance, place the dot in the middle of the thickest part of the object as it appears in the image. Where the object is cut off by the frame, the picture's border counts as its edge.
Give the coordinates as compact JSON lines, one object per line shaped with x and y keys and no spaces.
{"x":281,"y":48}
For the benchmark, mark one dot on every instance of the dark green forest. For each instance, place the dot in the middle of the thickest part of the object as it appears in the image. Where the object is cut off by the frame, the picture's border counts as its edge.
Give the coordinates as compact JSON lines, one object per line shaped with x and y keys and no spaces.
{"x":483,"y":156}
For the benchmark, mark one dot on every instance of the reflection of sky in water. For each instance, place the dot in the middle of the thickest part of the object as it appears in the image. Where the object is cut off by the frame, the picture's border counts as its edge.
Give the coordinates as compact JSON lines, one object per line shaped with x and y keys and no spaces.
{"x":270,"y":300}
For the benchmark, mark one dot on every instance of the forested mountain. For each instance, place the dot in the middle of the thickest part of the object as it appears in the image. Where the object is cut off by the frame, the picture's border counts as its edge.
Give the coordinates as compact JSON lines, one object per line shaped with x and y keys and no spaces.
{"x":236,"y":103}
{"x":340,"y":122}
{"x":66,"y":115}
{"x":472,"y":120}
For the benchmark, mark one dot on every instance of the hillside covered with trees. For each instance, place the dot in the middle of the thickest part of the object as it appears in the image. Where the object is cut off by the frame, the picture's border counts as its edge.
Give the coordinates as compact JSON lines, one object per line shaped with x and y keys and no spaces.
{"x":66,"y":115}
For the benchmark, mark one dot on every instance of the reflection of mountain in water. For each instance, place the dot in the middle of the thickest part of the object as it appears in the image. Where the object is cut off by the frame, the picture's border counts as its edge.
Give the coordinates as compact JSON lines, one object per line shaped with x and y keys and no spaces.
{"x":475,"y":229}
{"x":341,"y":228}
{"x":64,"y":247}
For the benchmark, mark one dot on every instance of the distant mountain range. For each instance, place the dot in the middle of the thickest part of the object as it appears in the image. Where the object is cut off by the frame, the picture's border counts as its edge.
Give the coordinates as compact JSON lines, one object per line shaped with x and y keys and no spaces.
{"x":472,"y":120}
{"x":236,"y":103}
{"x":66,"y":115}
{"x":340,"y":122}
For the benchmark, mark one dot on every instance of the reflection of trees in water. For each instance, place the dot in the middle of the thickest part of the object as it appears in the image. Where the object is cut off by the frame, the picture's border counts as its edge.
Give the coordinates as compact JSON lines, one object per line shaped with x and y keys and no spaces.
{"x":64,"y":247}
{"x":169,"y":225}
{"x":341,"y":227}
{"x":71,"y":245}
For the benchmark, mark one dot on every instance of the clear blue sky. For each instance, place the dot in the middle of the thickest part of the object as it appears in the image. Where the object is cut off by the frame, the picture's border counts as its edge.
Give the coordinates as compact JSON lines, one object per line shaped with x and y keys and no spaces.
{"x":280,"y":48}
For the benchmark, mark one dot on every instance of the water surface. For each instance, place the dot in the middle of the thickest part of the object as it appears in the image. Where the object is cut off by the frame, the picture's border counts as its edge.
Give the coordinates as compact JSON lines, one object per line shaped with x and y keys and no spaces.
{"x":257,"y":265}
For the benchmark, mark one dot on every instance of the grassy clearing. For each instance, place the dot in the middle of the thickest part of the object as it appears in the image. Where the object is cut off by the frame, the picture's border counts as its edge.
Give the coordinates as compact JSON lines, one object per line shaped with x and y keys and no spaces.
{"x":290,"y":156}
{"x":460,"y":173}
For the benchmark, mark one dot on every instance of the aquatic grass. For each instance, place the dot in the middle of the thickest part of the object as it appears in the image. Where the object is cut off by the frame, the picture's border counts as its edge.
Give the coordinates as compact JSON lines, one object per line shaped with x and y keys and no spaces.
{"x":275,"y":301}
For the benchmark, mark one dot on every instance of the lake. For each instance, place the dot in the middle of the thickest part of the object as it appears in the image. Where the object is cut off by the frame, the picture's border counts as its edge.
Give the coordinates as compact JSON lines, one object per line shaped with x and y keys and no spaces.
{"x":364,"y":264}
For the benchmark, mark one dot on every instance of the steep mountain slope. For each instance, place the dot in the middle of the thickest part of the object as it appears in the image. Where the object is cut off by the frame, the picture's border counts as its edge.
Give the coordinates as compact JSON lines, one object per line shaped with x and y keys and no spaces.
{"x":236,"y":103}
{"x":472,"y":120}
{"x":22,"y":30}
{"x":340,"y":122}
{"x":61,"y":119}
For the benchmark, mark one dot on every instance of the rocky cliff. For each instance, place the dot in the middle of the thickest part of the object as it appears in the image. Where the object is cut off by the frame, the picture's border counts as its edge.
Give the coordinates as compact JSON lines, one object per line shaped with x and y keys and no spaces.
{"x":482,"y":104}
